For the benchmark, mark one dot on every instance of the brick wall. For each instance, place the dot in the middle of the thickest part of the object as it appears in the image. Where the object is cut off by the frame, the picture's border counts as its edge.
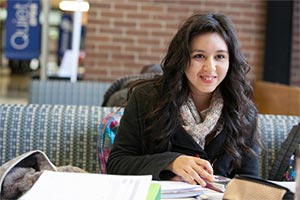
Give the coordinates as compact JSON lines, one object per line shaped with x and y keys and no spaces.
{"x":295,"y":63}
{"x":124,"y":35}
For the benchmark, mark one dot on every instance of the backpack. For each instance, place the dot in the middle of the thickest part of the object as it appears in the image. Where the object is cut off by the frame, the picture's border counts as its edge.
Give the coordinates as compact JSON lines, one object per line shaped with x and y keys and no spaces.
{"x":283,"y":168}
{"x":107,"y":131}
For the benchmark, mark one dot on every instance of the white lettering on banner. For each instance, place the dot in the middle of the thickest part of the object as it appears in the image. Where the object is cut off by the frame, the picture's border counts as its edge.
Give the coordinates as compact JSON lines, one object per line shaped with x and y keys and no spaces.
{"x":22,"y":39}
{"x":25,"y":16}
{"x":33,"y":20}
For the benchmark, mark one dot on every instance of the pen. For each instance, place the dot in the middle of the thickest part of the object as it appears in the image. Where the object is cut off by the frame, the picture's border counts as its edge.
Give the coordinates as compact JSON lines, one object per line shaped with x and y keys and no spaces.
{"x":212,"y":187}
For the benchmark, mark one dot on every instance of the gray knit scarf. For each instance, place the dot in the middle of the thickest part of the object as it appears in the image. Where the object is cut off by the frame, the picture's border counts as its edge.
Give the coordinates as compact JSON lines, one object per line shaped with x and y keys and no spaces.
{"x":200,"y":125}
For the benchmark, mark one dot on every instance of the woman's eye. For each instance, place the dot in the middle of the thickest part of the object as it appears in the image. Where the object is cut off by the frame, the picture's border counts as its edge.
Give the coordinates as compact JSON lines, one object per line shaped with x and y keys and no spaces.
{"x":198,"y":56}
{"x":220,"y":57}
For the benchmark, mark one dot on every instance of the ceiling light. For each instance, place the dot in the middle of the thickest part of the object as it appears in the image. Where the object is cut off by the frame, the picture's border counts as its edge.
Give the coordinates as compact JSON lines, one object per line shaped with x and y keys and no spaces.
{"x":82,"y":6}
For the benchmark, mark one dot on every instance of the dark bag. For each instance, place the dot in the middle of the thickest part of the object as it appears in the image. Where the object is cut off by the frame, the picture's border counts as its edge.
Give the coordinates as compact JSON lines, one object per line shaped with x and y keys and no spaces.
{"x":283,"y":168}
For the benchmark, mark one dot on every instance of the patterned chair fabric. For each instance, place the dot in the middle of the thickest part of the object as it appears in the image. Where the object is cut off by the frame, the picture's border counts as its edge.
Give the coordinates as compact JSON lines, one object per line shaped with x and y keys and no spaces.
{"x":59,"y":92}
{"x":67,"y":134}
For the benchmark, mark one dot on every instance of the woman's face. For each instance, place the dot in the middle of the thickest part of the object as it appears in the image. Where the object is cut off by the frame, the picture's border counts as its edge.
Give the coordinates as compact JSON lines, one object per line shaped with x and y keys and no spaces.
{"x":209,"y":63}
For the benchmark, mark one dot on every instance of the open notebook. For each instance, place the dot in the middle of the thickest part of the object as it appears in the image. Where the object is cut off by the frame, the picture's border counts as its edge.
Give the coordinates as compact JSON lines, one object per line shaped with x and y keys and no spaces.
{"x":179,"y":189}
{"x":77,"y":186}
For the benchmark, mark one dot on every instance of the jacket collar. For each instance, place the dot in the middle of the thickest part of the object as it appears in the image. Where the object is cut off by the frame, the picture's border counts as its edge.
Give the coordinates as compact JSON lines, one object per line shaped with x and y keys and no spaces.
{"x":182,"y":142}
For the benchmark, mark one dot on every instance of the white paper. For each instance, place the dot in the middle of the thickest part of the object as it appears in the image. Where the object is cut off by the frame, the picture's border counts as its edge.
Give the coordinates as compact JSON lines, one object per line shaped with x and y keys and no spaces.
{"x":176,"y":185}
{"x":291,"y":185}
{"x":182,"y":190}
{"x":179,"y":189}
{"x":83,"y":186}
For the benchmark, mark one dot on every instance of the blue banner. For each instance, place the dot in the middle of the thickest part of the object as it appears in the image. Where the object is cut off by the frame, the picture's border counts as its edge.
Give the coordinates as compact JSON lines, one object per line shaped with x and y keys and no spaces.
{"x":65,"y":34}
{"x":23,"y":29}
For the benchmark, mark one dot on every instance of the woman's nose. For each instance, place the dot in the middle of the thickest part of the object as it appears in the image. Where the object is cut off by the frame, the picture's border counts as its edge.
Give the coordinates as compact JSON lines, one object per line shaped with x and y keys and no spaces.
{"x":209,"y":65}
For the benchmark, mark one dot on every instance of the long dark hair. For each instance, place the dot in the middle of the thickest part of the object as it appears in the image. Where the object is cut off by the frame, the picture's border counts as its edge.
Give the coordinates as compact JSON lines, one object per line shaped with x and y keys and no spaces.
{"x":239,"y":113}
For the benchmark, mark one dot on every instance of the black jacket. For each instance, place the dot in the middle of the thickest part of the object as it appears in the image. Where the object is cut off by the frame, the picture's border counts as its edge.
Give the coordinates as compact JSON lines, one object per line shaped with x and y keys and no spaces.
{"x":129,"y":156}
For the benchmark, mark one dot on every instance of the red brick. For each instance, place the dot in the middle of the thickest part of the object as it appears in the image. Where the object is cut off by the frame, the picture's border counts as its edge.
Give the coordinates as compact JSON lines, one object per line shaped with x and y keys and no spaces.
{"x":112,"y":14}
{"x":139,"y":16}
{"x":152,"y":8}
{"x":126,"y":7}
{"x":100,"y":5}
{"x":138,"y":49}
{"x":124,"y":36}
{"x":125,"y":24}
{"x":150,"y":25}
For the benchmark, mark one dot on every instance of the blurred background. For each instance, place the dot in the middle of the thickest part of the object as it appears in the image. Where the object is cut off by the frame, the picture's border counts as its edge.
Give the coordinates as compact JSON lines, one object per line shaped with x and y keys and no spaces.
{"x":117,"y":37}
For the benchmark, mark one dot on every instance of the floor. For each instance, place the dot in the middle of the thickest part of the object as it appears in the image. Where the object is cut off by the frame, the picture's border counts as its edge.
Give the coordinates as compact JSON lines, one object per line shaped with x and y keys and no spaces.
{"x":14,"y":89}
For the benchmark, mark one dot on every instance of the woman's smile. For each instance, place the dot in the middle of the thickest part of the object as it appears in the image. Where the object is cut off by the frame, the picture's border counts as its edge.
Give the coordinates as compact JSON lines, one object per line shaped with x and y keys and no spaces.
{"x":208,"y":79}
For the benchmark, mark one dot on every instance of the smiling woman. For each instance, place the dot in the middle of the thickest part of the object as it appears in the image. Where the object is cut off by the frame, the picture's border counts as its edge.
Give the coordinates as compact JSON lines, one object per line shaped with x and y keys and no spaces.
{"x":201,"y":105}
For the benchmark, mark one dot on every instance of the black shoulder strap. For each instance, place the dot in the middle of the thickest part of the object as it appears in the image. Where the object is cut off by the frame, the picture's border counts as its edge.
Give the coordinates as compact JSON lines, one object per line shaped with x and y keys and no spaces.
{"x":288,"y":147}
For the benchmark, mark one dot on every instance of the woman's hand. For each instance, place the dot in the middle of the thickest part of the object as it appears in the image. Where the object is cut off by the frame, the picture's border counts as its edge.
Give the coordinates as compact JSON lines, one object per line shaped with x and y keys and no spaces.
{"x":193,"y":170}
